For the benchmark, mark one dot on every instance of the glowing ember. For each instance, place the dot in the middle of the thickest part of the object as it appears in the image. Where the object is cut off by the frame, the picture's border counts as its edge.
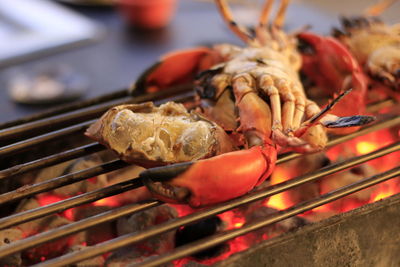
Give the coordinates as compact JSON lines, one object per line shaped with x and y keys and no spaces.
{"x":47,"y":199}
{"x":109,"y":201}
{"x":386,"y":189}
{"x":364,"y":147}
{"x":232,"y":220}
{"x":382,"y":195}
{"x":238,"y":224}
{"x":279,"y":201}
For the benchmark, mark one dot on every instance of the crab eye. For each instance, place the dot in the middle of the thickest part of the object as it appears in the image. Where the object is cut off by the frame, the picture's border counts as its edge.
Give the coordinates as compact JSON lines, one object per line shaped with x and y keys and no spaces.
{"x":304,"y":47}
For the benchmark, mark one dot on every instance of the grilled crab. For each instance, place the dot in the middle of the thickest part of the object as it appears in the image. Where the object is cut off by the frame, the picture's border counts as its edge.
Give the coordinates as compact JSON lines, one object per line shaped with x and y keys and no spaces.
{"x":374,"y":44}
{"x":255,"y":94}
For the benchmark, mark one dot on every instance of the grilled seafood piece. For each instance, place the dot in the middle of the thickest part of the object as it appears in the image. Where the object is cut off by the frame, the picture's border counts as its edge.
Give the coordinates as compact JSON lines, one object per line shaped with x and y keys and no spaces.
{"x":374,"y":44}
{"x":149,"y":136}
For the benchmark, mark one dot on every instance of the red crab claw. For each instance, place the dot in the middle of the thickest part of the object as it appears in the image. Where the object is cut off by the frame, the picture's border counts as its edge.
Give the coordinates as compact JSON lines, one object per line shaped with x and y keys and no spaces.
{"x":175,"y":68}
{"x":329,"y":64}
{"x":213,"y":180}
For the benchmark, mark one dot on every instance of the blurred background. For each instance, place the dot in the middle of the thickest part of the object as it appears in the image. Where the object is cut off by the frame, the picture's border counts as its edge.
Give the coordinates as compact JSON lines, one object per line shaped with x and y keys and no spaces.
{"x":57,"y":51}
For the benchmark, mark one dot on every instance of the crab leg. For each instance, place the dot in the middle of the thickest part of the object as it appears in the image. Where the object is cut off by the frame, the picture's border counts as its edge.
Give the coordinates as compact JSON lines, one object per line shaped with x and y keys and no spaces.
{"x":262,"y":23}
{"x":280,"y":16}
{"x":378,"y":8}
{"x":262,"y":33}
{"x":288,"y":105}
{"x":267,"y":85}
{"x":254,"y":113}
{"x":228,"y":18}
{"x":299,"y":108}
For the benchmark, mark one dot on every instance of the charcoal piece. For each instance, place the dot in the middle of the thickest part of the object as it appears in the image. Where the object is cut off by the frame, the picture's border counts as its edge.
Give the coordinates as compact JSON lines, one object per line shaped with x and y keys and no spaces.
{"x":341,"y":179}
{"x":50,"y":249}
{"x":96,"y":261}
{"x":98,"y":233}
{"x":280,"y":227}
{"x":128,"y":256}
{"x":142,"y":220}
{"x":72,"y":166}
{"x":136,"y":253}
{"x":196,"y":231}
{"x":8,"y":236}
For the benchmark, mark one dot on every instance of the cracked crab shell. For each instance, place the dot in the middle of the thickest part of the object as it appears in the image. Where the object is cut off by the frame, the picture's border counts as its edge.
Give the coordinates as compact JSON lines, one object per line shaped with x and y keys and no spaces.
{"x":153,"y":136}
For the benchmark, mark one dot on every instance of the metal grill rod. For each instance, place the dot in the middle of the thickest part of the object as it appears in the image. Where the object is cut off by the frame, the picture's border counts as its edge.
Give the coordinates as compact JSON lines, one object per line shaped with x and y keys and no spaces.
{"x":132,"y":238}
{"x":30,"y":190}
{"x":60,"y":206}
{"x":51,"y":160}
{"x":67,"y":107}
{"x":199,"y":245}
{"x":34,"y":141}
{"x":75,"y":227}
{"x":28,"y":143}
{"x":55,"y":122}
{"x":91,"y":112}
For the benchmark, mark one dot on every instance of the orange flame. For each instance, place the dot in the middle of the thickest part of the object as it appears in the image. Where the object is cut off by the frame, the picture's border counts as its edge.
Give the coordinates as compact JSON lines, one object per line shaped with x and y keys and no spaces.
{"x":279,"y":201}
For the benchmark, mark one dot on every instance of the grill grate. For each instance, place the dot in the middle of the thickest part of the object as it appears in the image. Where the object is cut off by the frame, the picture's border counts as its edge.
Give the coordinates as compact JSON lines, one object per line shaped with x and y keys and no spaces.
{"x":27,"y":134}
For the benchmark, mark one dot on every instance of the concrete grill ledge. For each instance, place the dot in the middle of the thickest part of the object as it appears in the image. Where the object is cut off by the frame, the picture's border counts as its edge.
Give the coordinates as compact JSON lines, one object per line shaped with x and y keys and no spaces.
{"x":367,"y":236}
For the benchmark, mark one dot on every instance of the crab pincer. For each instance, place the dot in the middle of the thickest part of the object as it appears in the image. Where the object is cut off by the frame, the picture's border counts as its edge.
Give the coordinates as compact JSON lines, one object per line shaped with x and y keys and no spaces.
{"x":213,"y":180}
{"x":331,"y":66}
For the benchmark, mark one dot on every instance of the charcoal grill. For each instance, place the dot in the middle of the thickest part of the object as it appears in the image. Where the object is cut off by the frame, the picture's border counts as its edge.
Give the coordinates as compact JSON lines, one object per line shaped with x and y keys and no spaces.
{"x":22,"y":138}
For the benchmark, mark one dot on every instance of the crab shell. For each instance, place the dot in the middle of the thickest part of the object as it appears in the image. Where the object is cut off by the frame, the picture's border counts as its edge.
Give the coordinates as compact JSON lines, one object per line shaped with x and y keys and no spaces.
{"x":152,"y":136}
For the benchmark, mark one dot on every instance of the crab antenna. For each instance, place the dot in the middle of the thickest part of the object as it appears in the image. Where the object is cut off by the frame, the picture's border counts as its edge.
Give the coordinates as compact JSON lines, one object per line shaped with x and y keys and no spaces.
{"x":228,"y":18}
{"x":378,"y":8}
{"x":280,"y":16}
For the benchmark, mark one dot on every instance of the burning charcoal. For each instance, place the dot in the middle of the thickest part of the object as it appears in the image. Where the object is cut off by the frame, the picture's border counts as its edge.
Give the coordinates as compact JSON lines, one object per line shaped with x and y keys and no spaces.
{"x":98,"y":233}
{"x":47,"y":250}
{"x":96,"y":261}
{"x":142,"y":220}
{"x":344,"y":178}
{"x":128,"y":256}
{"x":31,"y":227}
{"x":261,"y":213}
{"x":87,"y":185}
{"x":51,"y":249}
{"x":8,"y":236}
{"x":284,"y":226}
{"x":303,"y":165}
{"x":154,"y":246}
{"x":199,"y":230}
